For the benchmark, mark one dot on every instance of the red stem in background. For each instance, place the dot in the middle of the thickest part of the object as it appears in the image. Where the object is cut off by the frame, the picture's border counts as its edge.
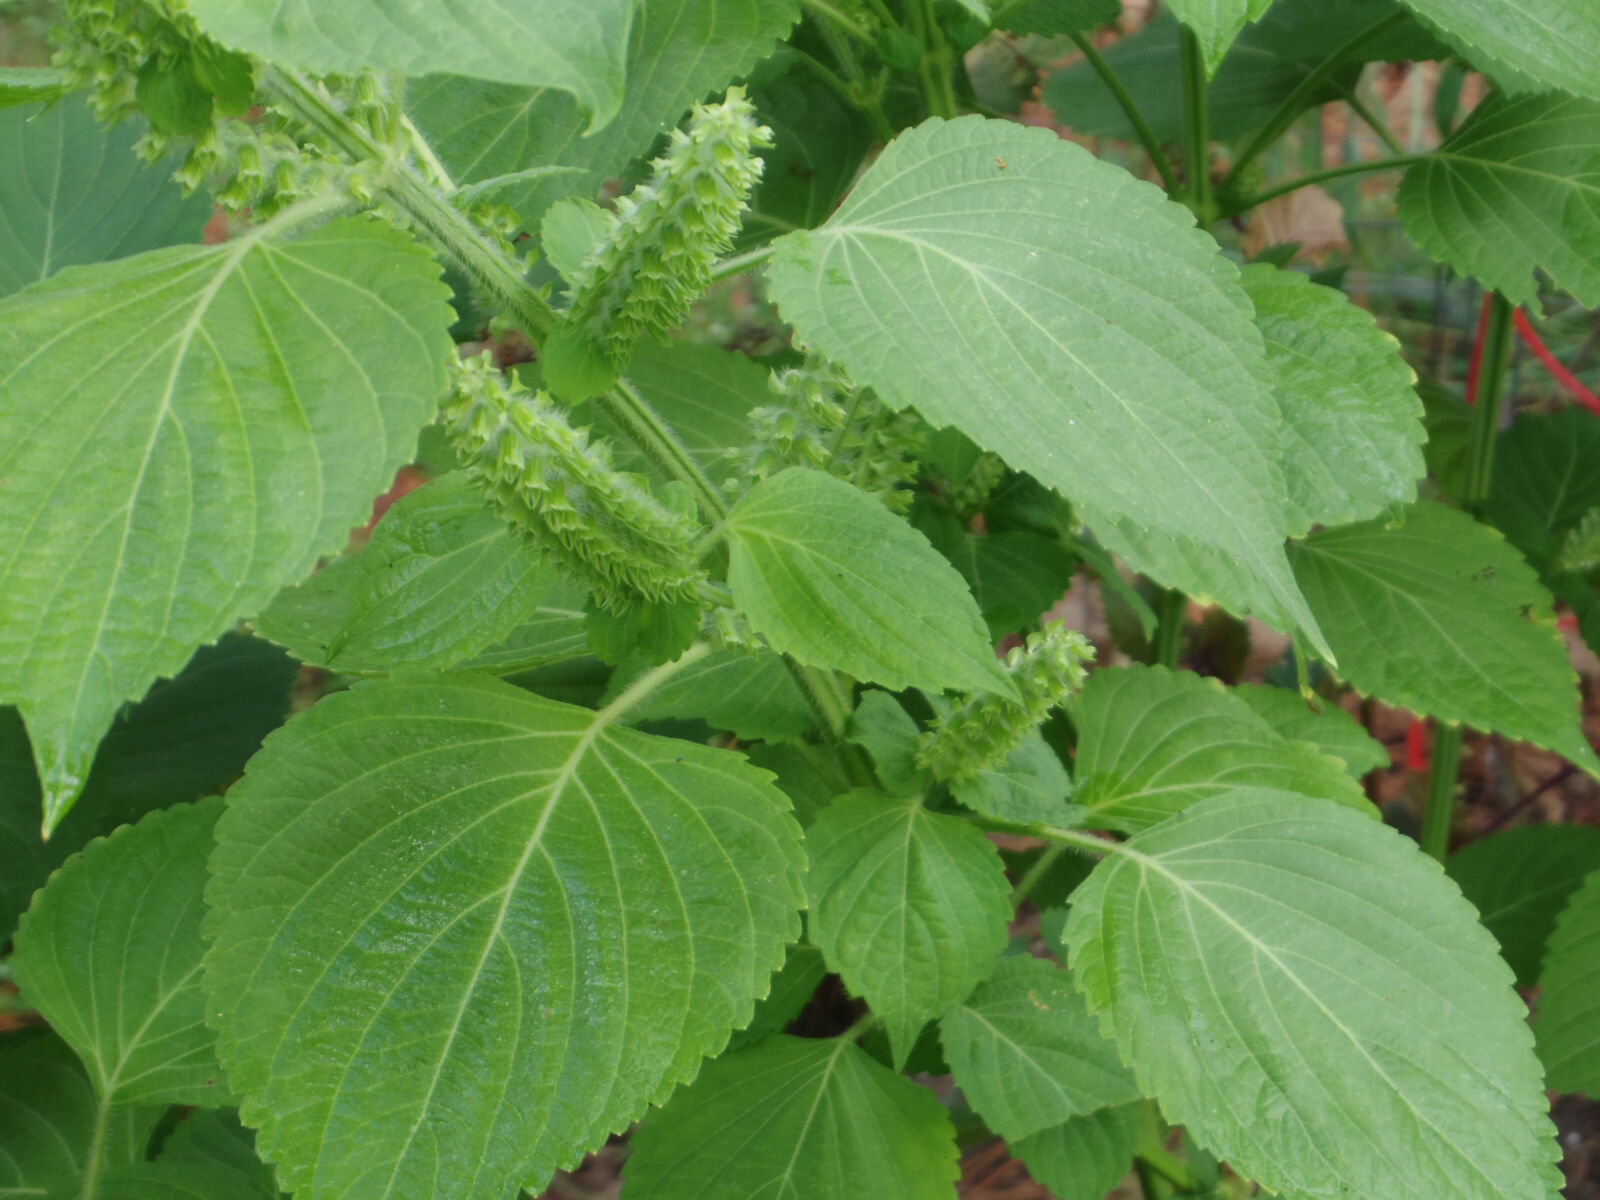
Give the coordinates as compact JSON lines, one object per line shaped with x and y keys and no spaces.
{"x":1563,"y":376}
{"x":1476,"y":362}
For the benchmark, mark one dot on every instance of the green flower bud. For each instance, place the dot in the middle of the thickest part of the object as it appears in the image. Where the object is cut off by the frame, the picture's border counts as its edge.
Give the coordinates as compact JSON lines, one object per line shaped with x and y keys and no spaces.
{"x":981,"y":734}
{"x":600,"y":525}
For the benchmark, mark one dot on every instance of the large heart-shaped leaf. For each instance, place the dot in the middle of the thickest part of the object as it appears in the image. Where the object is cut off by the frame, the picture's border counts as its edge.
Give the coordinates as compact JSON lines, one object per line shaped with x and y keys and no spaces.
{"x":224,"y":416}
{"x":1305,"y":991}
{"x":462,"y":932}
{"x":1528,"y":45}
{"x":1069,"y":318}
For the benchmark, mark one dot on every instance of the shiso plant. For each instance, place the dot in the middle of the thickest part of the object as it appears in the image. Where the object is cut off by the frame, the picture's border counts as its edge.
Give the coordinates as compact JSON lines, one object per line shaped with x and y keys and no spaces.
{"x":697,"y":760}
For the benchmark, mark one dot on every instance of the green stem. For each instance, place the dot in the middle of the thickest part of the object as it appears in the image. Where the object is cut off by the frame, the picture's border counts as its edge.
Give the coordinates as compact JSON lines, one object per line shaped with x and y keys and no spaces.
{"x":1484,"y":429}
{"x":1131,"y":110}
{"x":1296,"y":101}
{"x":1440,"y":813}
{"x":838,"y":20}
{"x":1196,"y":131}
{"x":863,"y":1025}
{"x":855,"y":91}
{"x":937,"y":59}
{"x":1294,"y":185}
{"x":832,"y":707}
{"x":95,"y":1159}
{"x":1035,"y":874}
{"x":1171,"y":621}
{"x":738,"y":264}
{"x":1373,"y":120}
{"x":645,"y":428}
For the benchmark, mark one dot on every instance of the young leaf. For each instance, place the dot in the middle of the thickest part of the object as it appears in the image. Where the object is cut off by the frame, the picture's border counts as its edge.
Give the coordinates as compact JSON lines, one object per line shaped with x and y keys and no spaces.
{"x":1438,"y":614}
{"x":909,"y":906}
{"x":577,"y":46}
{"x":30,"y":85}
{"x":1330,"y":729}
{"x":1217,"y":22}
{"x":1517,"y":188}
{"x":1569,"y":999}
{"x":443,"y":904}
{"x":882,"y":727}
{"x":1526,"y":44}
{"x":829,"y":575}
{"x":1153,"y":742}
{"x":48,"y":1115}
{"x":225,"y":416}
{"x":1101,"y":343}
{"x":73,"y":192}
{"x":1084,"y":1158}
{"x":1306,"y":992}
{"x":1354,"y":420}
{"x":187,"y":737}
{"x":1519,"y":880}
{"x":109,"y":953}
{"x":442,"y":578}
{"x":793,"y":1119}
{"x":1026,"y":1052}
{"x":1030,"y":785}
{"x":754,"y":695}
{"x":679,"y":51}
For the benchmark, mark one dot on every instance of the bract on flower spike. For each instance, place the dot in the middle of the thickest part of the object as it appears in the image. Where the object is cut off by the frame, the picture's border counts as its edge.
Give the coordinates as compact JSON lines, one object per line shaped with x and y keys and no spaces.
{"x":671,"y":230}
{"x":600,"y":525}
{"x":980,"y":734}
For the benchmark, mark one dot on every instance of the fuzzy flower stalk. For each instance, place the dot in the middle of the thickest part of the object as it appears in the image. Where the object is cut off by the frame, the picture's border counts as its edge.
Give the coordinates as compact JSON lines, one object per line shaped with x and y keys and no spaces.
{"x":981,"y":734}
{"x":647,"y":274}
{"x":602,"y":526}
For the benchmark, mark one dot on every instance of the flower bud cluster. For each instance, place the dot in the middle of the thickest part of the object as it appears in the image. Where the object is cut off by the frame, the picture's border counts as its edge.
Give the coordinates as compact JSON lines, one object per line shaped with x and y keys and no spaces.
{"x":602,"y":526}
{"x":670,"y":231}
{"x":972,"y":493}
{"x":104,"y":44}
{"x":981,"y":734}
{"x":824,"y":421}
{"x":1580,"y":552}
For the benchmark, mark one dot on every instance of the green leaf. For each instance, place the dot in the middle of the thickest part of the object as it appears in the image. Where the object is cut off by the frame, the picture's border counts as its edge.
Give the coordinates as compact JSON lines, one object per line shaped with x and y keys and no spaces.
{"x":1355,"y":429}
{"x":30,"y":85}
{"x":187,"y":737}
{"x":1031,"y":785}
{"x":554,"y":634}
{"x":214,"y":1139}
{"x":1217,"y":22}
{"x":225,"y":415}
{"x":48,"y":1114}
{"x":1544,"y":480}
{"x":1052,"y":17}
{"x":828,"y":574}
{"x":702,"y":392}
{"x":1526,"y":44}
{"x":679,"y":51}
{"x":442,"y":577}
{"x":1519,"y":880}
{"x":792,"y":1119}
{"x":1330,"y":729}
{"x":1153,"y":742}
{"x":442,"y":903}
{"x":1569,"y":1000}
{"x":109,"y":953}
{"x":173,"y":1181}
{"x":570,"y":230}
{"x":1514,"y":189}
{"x":1015,"y":577}
{"x":882,"y":727}
{"x":1086,"y":1157}
{"x":910,"y":907}
{"x":74,"y":193}
{"x":1437,"y":614}
{"x":577,"y":46}
{"x":1027,"y":1054}
{"x":754,"y":695}
{"x":1101,"y":343}
{"x":1306,"y":993}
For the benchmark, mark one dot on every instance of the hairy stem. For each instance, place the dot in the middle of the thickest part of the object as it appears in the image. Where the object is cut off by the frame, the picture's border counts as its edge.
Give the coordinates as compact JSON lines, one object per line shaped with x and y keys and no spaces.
{"x":1196,"y":130}
{"x":1494,"y":358}
{"x":1171,"y":621}
{"x":1356,"y":168}
{"x":1439,"y":816}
